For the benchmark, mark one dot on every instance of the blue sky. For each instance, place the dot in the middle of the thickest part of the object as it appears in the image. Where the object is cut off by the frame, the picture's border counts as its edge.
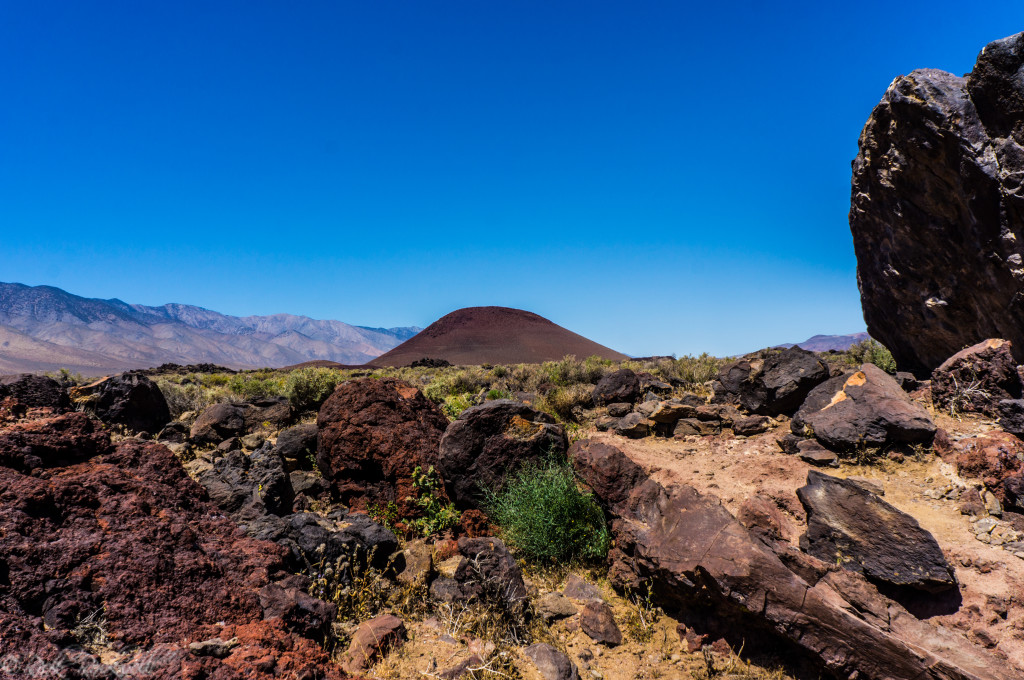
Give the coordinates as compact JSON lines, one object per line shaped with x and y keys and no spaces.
{"x":663,"y":177}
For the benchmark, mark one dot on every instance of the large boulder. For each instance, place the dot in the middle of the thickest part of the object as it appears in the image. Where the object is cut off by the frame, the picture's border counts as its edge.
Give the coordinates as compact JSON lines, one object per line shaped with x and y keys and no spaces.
{"x":120,"y":536}
{"x":854,"y":528}
{"x":486,"y":573}
{"x":297,"y":445}
{"x":130,"y":399}
{"x":373,"y":434}
{"x":775,"y":385}
{"x":976,"y":379}
{"x":34,"y":391}
{"x":236,"y":419}
{"x":52,"y":442}
{"x":937,"y":213}
{"x":864,"y":408}
{"x":486,"y":443}
{"x":618,"y":386}
{"x":699,"y":559}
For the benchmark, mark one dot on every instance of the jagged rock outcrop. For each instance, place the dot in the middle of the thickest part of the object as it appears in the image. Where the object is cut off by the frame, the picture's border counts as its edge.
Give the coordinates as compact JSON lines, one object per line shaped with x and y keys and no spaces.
{"x":863,"y":408}
{"x":235,"y":419}
{"x":976,"y":379}
{"x":373,"y":434}
{"x":34,"y":391}
{"x":703,"y":563}
{"x":119,"y":536}
{"x":937,"y":210}
{"x":488,"y":442}
{"x":771,"y":386}
{"x":853,"y":527}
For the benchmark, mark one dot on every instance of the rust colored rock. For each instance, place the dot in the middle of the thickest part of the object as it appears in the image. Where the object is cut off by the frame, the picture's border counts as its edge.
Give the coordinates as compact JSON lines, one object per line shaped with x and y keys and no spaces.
{"x":372,"y":640}
{"x":52,"y":442}
{"x":122,"y":533}
{"x":863,"y":408}
{"x":976,"y":379}
{"x":34,"y":391}
{"x":373,"y":434}
{"x":760,"y":515}
{"x":608,"y":472}
{"x":992,"y":458}
{"x":598,"y":622}
{"x":486,"y":443}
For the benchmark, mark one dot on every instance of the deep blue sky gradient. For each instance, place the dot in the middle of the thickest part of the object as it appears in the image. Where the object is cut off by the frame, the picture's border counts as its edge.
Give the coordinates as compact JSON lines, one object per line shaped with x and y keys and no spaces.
{"x":659,"y":176}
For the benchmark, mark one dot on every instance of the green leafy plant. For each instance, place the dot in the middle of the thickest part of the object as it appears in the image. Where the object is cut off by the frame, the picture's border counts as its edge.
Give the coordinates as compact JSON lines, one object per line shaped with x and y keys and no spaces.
{"x":438,"y":514}
{"x":545,"y":516}
{"x":870,"y":351}
{"x":454,"y":405}
{"x":384,"y":514}
{"x":308,"y":388}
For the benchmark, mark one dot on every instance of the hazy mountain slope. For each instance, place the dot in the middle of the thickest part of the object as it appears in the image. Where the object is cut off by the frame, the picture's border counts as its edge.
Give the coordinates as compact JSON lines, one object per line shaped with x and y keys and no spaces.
{"x":48,"y":328}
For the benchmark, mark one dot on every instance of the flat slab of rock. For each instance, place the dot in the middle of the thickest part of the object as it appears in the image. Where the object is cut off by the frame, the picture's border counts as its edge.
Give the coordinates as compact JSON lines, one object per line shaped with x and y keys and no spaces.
{"x":850,"y":526}
{"x":372,"y":640}
{"x":863,"y":408}
{"x":553,"y":606}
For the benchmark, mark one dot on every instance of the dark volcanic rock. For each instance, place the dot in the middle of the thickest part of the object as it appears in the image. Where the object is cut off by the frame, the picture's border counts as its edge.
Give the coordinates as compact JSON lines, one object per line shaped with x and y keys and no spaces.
{"x":34,"y":391}
{"x":995,"y":458}
{"x":490,"y":441}
{"x":634,"y":426}
{"x":618,"y":386}
{"x":52,"y":442}
{"x":297,"y":445}
{"x":551,"y":663}
{"x":863,"y":408}
{"x":850,"y":526}
{"x":1011,"y":416}
{"x":976,"y":379}
{"x":700,"y":560}
{"x":598,"y":622}
{"x":937,"y":213}
{"x":373,"y":434}
{"x":236,"y":419}
{"x":776,"y":385}
{"x":487,"y":572}
{"x":124,"y":532}
{"x":130,"y":399}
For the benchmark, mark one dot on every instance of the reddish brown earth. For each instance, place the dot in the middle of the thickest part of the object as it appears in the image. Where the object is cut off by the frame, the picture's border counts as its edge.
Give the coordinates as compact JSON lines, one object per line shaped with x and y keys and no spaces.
{"x":118,"y":535}
{"x":493,"y":335}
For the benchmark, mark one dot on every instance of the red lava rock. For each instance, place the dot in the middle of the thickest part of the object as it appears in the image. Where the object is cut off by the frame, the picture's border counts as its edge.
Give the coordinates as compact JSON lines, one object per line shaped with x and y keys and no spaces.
{"x":992,"y":458}
{"x":597,"y":621}
{"x":976,"y":379}
{"x":372,"y":640}
{"x":373,"y":434}
{"x":123,"y":534}
{"x":474,"y":524}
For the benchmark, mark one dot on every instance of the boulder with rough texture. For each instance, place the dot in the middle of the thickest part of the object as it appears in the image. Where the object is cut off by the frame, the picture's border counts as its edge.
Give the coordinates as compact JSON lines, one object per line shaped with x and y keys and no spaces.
{"x":700,"y":560}
{"x":120,"y":532}
{"x":937,"y":213}
{"x":372,"y":640}
{"x":598,"y":622}
{"x":850,"y":526}
{"x":487,"y":572}
{"x":551,"y":663}
{"x":633,"y":425}
{"x":863,"y":408}
{"x":486,"y":443}
{"x":618,"y":386}
{"x":130,"y":399}
{"x":1011,"y":416}
{"x":34,"y":391}
{"x":373,"y":435}
{"x":994,"y":458}
{"x":236,"y":419}
{"x":297,"y":445}
{"x":977,"y":379}
{"x":772,"y":386}
{"x":52,"y":442}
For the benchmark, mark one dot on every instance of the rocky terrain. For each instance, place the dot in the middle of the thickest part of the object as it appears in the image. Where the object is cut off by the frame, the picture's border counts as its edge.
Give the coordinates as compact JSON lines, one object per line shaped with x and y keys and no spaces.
{"x":497,"y":335}
{"x":45,"y":329}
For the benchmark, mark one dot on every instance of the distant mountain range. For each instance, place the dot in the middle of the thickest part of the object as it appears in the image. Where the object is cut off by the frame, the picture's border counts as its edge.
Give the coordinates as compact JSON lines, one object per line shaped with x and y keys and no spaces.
{"x":824,"y":343}
{"x":43,"y":328}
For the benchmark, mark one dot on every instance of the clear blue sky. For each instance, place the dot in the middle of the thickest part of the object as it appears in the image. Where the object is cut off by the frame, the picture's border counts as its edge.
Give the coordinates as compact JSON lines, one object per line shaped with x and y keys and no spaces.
{"x":659,"y":176}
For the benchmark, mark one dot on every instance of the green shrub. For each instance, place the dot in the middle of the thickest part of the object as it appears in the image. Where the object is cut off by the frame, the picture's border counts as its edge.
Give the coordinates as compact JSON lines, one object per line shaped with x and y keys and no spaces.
{"x":308,"y":388}
{"x":498,"y":393}
{"x":545,"y":516}
{"x":698,"y":370}
{"x":257,"y":385}
{"x":567,"y":403}
{"x":438,"y":514}
{"x":454,"y":405}
{"x":870,"y":351}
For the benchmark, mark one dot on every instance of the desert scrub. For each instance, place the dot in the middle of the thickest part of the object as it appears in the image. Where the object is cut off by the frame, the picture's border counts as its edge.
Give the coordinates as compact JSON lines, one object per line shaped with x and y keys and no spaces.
{"x":694,"y":371}
{"x":543,"y":515}
{"x":567,"y":403}
{"x":257,"y":385}
{"x":570,"y":371}
{"x":308,"y":388}
{"x":870,"y":351}
{"x":454,"y":405}
{"x":438,"y":514}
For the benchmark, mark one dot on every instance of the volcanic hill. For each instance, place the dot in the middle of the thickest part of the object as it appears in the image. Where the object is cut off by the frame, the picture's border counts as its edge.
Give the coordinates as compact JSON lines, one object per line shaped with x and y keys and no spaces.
{"x":493,"y":335}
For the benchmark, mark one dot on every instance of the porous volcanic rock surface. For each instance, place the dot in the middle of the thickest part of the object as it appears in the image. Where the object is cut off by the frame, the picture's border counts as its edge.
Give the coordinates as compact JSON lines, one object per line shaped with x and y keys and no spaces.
{"x":373,"y":434}
{"x":119,"y":535}
{"x":937,"y":210}
{"x":494,"y":335}
{"x":976,"y":379}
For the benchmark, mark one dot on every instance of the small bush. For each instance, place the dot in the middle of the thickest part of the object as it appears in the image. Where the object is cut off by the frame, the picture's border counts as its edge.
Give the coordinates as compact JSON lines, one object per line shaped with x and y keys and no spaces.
{"x":498,"y":393}
{"x":308,"y":388}
{"x":258,"y":385}
{"x":545,"y":516}
{"x":182,"y":398}
{"x":438,"y":515}
{"x":567,"y":403}
{"x":454,"y":405}
{"x":695,"y":371}
{"x":870,"y":351}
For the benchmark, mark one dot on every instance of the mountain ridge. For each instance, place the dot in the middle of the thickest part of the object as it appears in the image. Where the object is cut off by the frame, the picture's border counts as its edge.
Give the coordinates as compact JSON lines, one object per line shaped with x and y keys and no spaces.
{"x":93,"y":335}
